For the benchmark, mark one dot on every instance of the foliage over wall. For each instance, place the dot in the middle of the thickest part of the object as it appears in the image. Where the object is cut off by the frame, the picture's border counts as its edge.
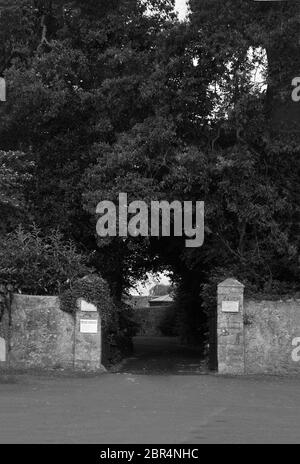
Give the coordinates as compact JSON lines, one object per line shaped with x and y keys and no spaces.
{"x":95,"y":290}
{"x":47,"y":265}
{"x":118,"y":326}
{"x":15,"y":175}
{"x":92,"y":289}
{"x":39,"y":264}
{"x":114,"y":100}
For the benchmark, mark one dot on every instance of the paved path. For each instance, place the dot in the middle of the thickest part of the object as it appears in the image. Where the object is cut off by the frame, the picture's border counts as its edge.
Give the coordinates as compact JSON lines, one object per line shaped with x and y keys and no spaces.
{"x":129,"y":408}
{"x":163,"y":355}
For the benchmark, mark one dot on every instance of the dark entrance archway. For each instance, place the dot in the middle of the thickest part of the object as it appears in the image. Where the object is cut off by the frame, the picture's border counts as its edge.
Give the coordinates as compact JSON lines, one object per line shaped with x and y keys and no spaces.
{"x":172,"y":337}
{"x":164,"y":356}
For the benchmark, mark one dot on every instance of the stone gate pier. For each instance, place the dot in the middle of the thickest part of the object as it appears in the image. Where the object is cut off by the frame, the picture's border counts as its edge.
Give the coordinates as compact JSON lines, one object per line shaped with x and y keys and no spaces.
{"x":231,"y":338}
{"x":257,"y":336}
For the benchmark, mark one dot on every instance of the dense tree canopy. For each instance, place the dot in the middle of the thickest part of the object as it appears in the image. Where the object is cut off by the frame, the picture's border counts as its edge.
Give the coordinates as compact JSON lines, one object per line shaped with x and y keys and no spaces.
{"x":15,"y":175}
{"x":119,"y":96}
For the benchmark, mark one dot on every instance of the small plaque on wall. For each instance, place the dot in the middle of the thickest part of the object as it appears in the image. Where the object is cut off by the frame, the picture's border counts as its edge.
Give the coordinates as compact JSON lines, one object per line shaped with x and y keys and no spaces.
{"x":89,"y":326}
{"x":230,"y":306}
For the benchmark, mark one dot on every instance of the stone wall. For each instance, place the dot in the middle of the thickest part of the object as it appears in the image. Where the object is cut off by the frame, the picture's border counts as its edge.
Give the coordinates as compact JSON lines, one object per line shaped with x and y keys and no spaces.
{"x":272,"y":337}
{"x":149,"y":320}
{"x":38,"y":334}
{"x":256,"y":337}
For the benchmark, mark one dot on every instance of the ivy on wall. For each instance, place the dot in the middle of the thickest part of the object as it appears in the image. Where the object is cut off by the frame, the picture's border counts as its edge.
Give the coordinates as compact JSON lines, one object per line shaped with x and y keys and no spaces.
{"x":94,"y":290}
{"x":118,"y":325}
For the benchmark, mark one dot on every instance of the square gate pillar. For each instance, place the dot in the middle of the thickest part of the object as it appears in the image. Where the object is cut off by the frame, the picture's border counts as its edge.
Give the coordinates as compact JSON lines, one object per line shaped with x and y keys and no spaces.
{"x":230,"y":328}
{"x":2,"y":351}
{"x":88,"y":338}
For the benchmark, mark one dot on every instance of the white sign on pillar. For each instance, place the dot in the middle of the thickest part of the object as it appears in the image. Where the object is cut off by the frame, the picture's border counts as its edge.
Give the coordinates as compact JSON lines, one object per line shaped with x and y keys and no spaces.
{"x":230,"y":306}
{"x":2,"y":89}
{"x":2,"y":350}
{"x":89,"y":326}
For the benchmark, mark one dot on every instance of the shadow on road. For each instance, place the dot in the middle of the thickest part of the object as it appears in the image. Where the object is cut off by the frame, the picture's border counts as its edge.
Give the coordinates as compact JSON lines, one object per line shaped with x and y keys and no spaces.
{"x":164,"y":355}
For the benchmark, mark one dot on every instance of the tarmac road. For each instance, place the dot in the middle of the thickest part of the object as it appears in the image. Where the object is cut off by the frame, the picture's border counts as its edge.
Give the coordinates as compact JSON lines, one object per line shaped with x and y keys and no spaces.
{"x":173,"y":409}
{"x":163,"y":408}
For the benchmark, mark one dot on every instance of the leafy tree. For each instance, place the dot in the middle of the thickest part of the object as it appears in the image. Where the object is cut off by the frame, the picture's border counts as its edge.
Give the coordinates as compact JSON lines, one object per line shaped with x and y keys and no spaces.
{"x":80,"y":88}
{"x":104,"y":98}
{"x":15,"y":175}
{"x":222,"y":149}
{"x":231,"y":28}
{"x":40,"y":265}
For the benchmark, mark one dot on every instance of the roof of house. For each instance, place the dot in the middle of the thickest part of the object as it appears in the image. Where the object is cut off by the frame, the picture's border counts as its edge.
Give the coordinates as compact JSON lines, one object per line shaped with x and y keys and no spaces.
{"x":162,"y":299}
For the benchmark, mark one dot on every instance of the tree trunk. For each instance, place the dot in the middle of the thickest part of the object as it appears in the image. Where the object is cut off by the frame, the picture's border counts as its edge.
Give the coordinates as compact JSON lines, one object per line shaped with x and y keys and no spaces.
{"x":283,"y":67}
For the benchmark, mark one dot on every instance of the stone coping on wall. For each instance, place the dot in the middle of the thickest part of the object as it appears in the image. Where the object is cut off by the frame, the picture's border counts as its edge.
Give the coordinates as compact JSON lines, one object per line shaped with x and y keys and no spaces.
{"x":264,"y":297}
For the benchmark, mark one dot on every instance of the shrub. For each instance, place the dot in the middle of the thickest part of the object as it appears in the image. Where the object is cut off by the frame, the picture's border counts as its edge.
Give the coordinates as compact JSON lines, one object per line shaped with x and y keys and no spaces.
{"x":127,"y":327}
{"x":41,"y":265}
{"x":191,"y":319}
{"x":16,"y":171}
{"x":94,"y":290}
{"x":169,"y":324}
{"x":37,"y":264}
{"x":118,"y":326}
{"x":117,"y":335}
